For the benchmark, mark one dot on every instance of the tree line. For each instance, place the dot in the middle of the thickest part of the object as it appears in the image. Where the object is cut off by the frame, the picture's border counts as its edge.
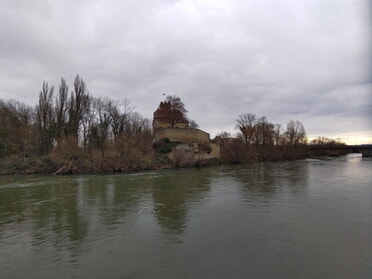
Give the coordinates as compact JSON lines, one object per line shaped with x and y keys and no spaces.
{"x":257,"y":139}
{"x":99,"y":130}
{"x":259,"y":131}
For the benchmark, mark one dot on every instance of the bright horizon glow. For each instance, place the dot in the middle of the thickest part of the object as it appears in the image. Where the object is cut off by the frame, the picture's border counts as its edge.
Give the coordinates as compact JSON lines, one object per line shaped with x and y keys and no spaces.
{"x":348,"y":138}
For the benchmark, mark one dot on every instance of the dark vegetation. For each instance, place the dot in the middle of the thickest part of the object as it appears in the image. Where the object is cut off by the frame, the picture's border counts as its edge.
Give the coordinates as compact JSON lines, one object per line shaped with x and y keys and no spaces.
{"x":260,"y":140}
{"x":74,"y":132}
{"x":322,"y":146}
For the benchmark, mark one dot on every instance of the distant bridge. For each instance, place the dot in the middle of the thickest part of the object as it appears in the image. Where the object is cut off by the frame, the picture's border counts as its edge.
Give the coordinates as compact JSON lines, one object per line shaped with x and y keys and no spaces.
{"x":337,"y":150}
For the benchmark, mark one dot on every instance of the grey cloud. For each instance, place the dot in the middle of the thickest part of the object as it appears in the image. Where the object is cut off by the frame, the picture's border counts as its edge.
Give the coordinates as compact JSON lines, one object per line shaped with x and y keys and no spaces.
{"x":308,"y":60}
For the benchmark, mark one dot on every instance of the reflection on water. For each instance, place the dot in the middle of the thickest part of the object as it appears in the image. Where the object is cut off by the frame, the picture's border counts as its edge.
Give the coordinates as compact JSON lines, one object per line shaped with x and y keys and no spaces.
{"x":174,"y":194}
{"x":263,"y":183}
{"x":304,"y":219}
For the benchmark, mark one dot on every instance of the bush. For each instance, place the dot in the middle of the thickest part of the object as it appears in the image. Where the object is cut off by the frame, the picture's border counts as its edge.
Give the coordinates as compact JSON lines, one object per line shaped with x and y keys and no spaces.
{"x":164,"y":145}
{"x":162,"y":160}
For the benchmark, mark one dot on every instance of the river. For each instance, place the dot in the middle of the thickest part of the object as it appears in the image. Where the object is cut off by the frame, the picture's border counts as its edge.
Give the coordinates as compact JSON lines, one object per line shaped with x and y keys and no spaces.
{"x":303,"y":219}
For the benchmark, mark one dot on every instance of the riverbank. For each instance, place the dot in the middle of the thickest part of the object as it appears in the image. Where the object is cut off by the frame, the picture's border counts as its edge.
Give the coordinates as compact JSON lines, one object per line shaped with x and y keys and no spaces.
{"x":163,"y":155}
{"x":94,"y":163}
{"x":49,"y":165}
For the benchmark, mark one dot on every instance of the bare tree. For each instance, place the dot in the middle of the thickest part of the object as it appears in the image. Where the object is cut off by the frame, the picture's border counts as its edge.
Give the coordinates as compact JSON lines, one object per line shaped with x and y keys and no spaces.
{"x":263,"y":131}
{"x":193,"y":124}
{"x":224,"y":135}
{"x":295,"y":133}
{"x":176,"y":103}
{"x":104,"y":122}
{"x":246,"y":125}
{"x":17,"y":134}
{"x":277,"y":136}
{"x":127,"y":109}
{"x":326,"y":141}
{"x":60,"y":111}
{"x":88,"y":117}
{"x":224,"y":138}
{"x":117,"y":121}
{"x":44,"y":117}
{"x":177,"y":111}
{"x":76,"y":106}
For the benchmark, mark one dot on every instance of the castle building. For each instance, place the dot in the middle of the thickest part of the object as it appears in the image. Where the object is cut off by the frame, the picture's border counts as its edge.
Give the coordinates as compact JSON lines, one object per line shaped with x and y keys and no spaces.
{"x":193,"y":144}
{"x":166,"y":117}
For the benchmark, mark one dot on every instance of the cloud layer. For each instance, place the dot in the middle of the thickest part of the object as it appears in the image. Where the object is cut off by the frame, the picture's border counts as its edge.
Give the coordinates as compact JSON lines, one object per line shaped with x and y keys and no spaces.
{"x":307,"y":60}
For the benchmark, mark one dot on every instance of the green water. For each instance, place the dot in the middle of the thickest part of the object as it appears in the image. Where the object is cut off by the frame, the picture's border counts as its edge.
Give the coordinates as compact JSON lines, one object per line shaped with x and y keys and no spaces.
{"x":303,"y":219}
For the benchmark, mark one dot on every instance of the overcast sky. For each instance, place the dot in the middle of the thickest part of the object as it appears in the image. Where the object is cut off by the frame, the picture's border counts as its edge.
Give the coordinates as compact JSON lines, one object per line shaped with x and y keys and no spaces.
{"x":307,"y":60}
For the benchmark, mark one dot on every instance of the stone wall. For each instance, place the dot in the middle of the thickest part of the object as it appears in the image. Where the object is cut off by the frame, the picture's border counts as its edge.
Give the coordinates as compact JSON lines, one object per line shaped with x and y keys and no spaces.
{"x":216,"y":150}
{"x":193,"y":146}
{"x":160,"y":123}
{"x":192,"y":154}
{"x":183,"y":135}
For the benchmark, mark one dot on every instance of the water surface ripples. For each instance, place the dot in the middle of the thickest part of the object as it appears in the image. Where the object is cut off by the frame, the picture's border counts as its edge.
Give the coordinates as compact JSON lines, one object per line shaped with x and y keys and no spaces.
{"x":303,"y":219}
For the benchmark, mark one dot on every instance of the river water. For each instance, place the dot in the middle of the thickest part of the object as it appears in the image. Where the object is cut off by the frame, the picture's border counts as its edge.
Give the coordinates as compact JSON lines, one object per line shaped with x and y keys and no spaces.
{"x":302,"y":219}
